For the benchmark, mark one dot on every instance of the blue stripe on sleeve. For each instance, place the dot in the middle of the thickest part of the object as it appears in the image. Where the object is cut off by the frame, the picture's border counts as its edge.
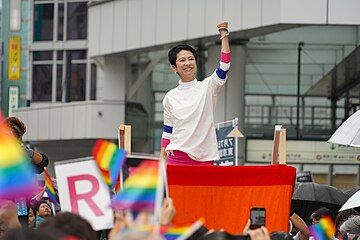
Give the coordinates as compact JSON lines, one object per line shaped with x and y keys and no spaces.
{"x":221,"y":73}
{"x":168,"y":129}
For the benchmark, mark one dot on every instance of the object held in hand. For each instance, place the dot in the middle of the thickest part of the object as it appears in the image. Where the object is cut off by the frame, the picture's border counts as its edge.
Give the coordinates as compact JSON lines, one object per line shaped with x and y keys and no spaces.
{"x":223,"y":26}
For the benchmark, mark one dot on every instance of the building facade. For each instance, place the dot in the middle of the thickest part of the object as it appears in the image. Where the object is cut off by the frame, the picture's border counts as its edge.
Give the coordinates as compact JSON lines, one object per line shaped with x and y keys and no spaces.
{"x":93,"y":65}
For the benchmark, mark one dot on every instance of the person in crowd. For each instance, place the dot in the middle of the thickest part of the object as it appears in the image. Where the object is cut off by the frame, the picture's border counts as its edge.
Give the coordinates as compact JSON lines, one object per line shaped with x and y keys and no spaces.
{"x":18,"y":128}
{"x":341,"y":218}
{"x":281,"y":236}
{"x":43,"y":212}
{"x":31,"y":217}
{"x":69,"y":225}
{"x":123,"y":220}
{"x":300,"y":227}
{"x":30,"y":234}
{"x":350,"y":229}
{"x":8,"y":217}
{"x":189,"y":134}
{"x":320,"y":213}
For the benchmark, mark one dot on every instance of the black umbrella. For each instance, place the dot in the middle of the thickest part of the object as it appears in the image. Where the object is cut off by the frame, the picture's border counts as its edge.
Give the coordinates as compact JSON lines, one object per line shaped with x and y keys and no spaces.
{"x":308,"y":197}
{"x":351,"y":191}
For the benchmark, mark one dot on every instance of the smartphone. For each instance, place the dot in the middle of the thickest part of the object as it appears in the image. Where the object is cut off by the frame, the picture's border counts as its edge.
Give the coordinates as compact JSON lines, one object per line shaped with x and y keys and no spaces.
{"x":21,"y":207}
{"x":257,"y":217}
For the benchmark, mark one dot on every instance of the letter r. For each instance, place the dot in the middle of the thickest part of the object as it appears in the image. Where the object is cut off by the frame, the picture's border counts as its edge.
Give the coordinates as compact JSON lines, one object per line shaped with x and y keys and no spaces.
{"x":87,"y":197}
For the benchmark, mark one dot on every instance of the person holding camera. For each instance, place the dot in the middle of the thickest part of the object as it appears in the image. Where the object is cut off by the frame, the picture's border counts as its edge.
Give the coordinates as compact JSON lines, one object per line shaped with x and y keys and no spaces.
{"x":18,"y":129}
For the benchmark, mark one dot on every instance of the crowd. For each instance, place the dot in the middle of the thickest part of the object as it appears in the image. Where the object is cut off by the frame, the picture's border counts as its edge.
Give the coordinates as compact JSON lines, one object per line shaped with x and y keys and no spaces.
{"x":43,"y":223}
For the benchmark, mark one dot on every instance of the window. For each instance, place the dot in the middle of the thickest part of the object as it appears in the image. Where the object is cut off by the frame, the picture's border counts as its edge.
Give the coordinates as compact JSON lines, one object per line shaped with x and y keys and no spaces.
{"x":59,"y":69}
{"x":42,"y":76}
{"x":60,"y":35}
{"x":59,"y":75}
{"x":42,"y":82}
{"x":43,"y":21}
{"x":93,"y":82}
{"x":76,"y":20}
{"x":76,"y":75}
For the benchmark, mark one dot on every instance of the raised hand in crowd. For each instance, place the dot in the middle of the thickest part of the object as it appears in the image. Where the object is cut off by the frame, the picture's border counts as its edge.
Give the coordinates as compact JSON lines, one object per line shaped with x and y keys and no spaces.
{"x":259,"y":234}
{"x":168,"y":211}
{"x":303,"y":231}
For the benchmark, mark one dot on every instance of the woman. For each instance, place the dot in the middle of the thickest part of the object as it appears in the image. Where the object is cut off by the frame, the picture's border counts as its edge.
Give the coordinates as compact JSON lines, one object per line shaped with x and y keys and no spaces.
{"x":189,"y":134}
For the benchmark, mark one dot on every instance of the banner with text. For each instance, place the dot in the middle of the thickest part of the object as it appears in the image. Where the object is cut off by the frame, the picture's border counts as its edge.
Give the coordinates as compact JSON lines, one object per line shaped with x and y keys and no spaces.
{"x":226,"y":145}
{"x":14,"y":61}
{"x":304,"y":151}
{"x":83,"y":191}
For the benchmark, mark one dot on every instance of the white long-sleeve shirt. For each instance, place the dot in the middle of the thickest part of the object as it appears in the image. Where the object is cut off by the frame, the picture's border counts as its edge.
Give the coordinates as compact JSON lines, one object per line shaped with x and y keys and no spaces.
{"x":188,"y":116}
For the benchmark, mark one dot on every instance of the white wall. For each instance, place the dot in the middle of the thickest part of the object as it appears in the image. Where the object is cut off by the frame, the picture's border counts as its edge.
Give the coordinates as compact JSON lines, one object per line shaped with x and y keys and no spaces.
{"x":122,"y":25}
{"x":76,"y":120}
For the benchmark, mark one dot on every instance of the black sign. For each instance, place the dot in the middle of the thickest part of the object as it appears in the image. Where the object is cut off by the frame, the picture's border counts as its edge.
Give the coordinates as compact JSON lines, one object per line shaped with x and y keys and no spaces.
{"x":226,"y":146}
{"x":304,"y":176}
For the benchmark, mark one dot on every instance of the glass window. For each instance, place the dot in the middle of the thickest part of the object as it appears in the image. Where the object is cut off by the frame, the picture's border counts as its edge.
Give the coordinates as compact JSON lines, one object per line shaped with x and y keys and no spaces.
{"x":59,"y":69}
{"x":60,"y":35}
{"x":93,"y":82}
{"x":78,"y":54}
{"x":59,"y":55}
{"x":77,"y":82}
{"x":75,"y":75}
{"x":43,"y":21}
{"x":76,"y":20}
{"x":42,"y":82}
{"x":42,"y":55}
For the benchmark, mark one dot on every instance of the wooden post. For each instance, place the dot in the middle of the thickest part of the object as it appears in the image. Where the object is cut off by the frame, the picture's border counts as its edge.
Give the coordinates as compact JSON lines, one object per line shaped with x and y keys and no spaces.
{"x":282,"y":146}
{"x":124,"y":137}
{"x":279,"y":148}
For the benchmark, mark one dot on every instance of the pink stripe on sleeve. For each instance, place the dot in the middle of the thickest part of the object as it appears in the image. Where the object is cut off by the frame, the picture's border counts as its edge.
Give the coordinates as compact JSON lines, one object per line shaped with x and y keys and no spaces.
{"x":225,"y":57}
{"x":165,"y":142}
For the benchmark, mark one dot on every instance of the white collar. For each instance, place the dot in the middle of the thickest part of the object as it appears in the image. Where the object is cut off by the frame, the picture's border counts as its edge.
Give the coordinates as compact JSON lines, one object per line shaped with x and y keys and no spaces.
{"x":187,"y":85}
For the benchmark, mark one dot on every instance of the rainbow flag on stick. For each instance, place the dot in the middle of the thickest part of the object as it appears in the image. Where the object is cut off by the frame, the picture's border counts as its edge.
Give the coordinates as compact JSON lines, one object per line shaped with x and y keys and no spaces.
{"x":16,"y":171}
{"x":109,"y":158}
{"x":171,"y":232}
{"x":140,"y":188}
{"x":50,"y":188}
{"x":324,"y":230}
{"x":182,"y":232}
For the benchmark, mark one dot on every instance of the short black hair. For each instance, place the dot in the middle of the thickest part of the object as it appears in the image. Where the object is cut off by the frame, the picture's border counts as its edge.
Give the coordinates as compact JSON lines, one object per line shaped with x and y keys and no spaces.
{"x":17,"y":126}
{"x":173,"y":52}
{"x":322,"y":212}
{"x":278,"y":235}
{"x":69,"y":224}
{"x":42,"y":201}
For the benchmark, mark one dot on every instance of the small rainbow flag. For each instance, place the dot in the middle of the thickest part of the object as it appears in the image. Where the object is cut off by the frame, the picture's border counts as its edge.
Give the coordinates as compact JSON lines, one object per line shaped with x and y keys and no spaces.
{"x":109,"y":158}
{"x":172,"y":232}
{"x":181,"y":232}
{"x":16,"y":171}
{"x":139,"y":189}
{"x":50,"y":188}
{"x":324,"y":230}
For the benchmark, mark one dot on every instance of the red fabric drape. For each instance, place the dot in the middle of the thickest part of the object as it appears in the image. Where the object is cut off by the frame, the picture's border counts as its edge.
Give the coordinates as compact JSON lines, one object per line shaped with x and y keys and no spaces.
{"x":224,"y":195}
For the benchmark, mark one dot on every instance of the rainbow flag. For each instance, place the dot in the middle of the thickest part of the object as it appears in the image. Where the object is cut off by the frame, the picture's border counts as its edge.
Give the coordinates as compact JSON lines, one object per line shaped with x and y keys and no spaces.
{"x":109,"y":158}
{"x":324,"y":230}
{"x":16,"y":171}
{"x":50,"y":188}
{"x":172,"y":232}
{"x":139,"y":189}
